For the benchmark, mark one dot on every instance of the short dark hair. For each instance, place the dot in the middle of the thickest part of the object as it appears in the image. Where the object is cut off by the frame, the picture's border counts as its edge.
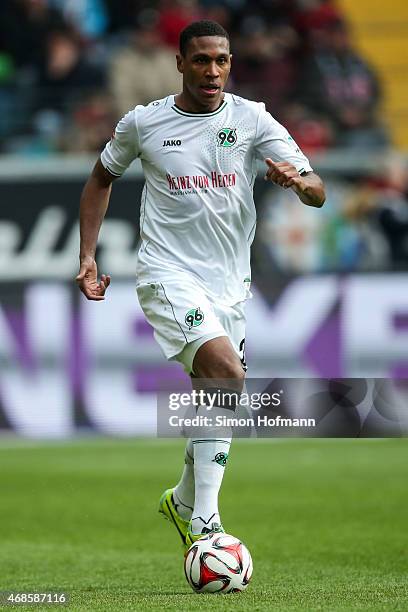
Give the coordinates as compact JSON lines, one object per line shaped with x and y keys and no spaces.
{"x":200,"y":28}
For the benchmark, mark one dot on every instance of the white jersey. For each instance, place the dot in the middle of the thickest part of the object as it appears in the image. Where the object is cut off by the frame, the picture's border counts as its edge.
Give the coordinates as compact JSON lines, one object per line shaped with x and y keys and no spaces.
{"x":197,"y":216}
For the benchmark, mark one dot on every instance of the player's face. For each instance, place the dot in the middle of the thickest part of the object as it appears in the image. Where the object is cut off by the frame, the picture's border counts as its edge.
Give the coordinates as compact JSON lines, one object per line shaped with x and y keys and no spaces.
{"x":205,"y":69}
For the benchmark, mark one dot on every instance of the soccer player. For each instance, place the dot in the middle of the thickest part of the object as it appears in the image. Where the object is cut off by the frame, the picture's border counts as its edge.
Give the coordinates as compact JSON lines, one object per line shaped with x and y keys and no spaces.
{"x":199,"y":152}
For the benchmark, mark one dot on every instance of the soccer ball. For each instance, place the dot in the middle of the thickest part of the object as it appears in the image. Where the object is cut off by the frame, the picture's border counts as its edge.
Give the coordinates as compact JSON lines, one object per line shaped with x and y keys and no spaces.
{"x":218,"y":563}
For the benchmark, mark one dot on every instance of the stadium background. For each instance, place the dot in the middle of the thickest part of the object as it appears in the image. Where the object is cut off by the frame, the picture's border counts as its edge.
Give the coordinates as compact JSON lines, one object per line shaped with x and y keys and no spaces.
{"x":330,"y":286}
{"x":80,"y":474}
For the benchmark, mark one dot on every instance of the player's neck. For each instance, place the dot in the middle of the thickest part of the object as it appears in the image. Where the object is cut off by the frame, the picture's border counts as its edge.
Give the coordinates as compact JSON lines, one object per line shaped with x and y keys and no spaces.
{"x":188,"y":104}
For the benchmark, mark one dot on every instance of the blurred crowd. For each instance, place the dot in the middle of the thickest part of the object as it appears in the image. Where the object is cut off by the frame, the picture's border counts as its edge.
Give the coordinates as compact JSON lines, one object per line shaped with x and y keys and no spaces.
{"x":70,"y":68}
{"x":364,"y":226}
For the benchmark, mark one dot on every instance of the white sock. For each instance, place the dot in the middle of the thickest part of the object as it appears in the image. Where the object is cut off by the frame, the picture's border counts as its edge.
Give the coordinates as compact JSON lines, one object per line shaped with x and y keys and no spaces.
{"x":210,"y":458}
{"x":183,"y":494}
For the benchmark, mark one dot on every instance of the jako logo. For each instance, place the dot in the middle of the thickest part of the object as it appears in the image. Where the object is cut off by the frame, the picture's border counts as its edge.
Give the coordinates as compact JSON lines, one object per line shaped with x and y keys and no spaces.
{"x":171,"y":143}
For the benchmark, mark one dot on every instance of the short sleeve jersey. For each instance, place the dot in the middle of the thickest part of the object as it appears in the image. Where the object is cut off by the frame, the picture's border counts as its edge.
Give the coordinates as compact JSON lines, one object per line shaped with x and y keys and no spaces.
{"x":197,"y":214}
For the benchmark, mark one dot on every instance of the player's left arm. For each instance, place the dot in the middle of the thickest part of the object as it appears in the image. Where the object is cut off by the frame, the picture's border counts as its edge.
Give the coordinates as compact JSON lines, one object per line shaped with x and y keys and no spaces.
{"x":308,"y":187}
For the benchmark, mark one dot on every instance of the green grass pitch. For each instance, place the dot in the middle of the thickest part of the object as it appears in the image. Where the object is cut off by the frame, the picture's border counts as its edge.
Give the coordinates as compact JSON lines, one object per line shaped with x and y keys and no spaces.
{"x":326,"y":522}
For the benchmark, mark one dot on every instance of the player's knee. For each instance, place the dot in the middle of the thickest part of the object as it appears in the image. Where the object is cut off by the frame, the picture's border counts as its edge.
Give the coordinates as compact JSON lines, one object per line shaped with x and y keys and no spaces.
{"x":230,"y":368}
{"x":222,"y":367}
{"x":218,"y":359}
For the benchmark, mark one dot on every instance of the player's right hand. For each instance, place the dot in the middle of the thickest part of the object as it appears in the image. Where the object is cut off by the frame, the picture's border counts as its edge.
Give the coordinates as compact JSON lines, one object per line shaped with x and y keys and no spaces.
{"x":87,"y":280}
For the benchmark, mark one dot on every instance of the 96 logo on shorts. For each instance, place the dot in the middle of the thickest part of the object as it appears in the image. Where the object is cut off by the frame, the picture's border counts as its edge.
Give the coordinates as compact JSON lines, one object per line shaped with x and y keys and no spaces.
{"x":194,"y":317}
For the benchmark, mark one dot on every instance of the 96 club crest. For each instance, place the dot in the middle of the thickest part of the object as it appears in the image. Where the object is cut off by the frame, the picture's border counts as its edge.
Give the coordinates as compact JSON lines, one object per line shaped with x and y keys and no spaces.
{"x":227,"y":137}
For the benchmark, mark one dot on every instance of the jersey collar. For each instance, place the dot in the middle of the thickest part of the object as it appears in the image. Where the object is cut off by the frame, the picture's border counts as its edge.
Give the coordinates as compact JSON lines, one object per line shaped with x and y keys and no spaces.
{"x":180,"y":111}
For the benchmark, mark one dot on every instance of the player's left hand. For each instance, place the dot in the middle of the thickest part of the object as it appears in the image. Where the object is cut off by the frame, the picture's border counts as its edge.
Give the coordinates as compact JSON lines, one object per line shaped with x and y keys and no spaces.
{"x":283,"y":174}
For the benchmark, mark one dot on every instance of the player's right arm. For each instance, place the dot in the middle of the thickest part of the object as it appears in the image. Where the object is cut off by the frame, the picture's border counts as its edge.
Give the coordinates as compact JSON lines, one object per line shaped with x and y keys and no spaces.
{"x":94,"y":203}
{"x":115,"y":158}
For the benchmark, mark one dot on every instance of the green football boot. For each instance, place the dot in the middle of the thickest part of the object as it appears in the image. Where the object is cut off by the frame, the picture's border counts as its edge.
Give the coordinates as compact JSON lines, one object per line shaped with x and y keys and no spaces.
{"x":168,"y":509}
{"x":193,"y":537}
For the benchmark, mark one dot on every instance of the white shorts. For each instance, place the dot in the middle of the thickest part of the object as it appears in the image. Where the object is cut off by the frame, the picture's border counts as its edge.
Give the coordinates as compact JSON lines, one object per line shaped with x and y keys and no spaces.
{"x":184,"y":318}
